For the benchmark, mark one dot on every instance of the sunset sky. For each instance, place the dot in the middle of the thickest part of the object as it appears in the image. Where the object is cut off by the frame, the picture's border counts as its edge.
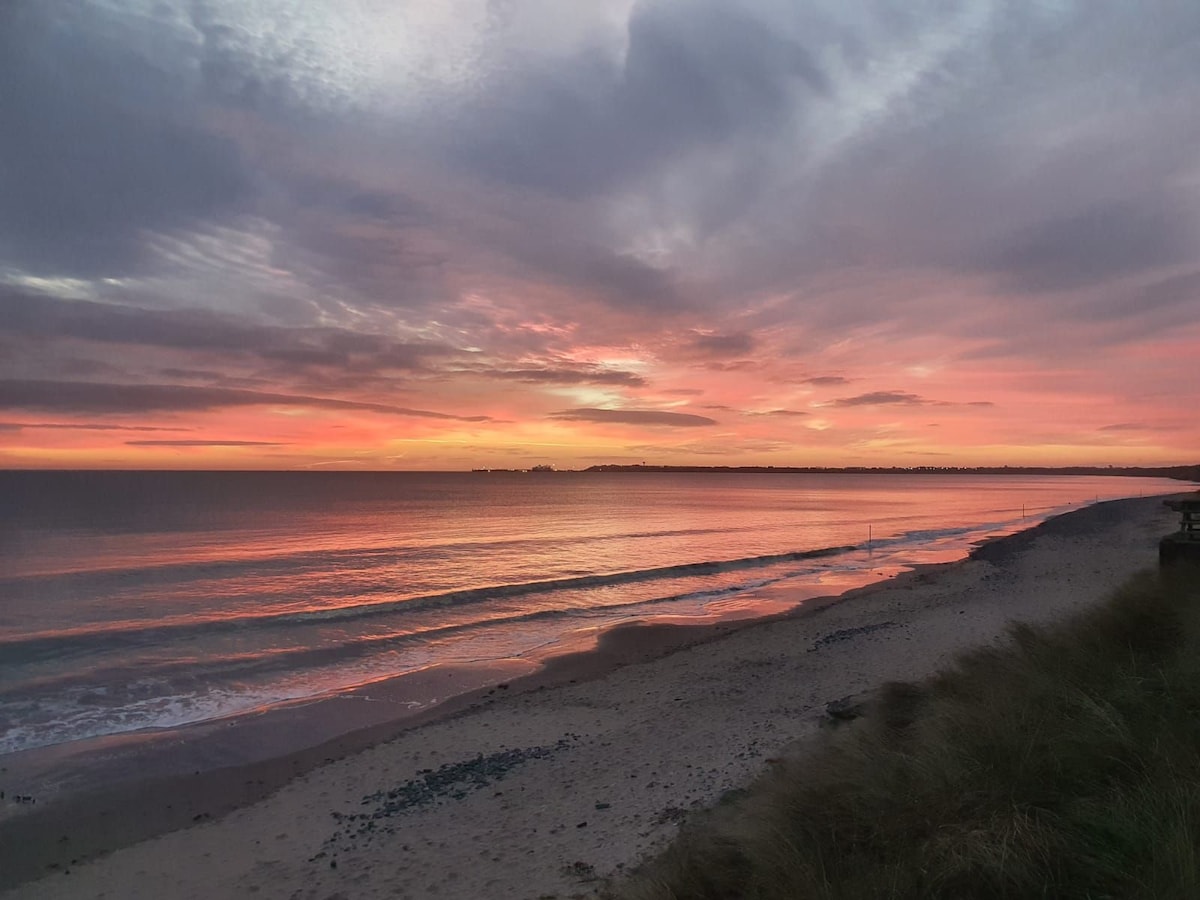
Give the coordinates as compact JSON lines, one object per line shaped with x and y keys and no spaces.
{"x":497,"y":233}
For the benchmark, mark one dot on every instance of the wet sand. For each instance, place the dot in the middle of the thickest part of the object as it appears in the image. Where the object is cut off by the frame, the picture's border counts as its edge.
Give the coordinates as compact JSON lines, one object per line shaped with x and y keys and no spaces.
{"x":566,"y":775}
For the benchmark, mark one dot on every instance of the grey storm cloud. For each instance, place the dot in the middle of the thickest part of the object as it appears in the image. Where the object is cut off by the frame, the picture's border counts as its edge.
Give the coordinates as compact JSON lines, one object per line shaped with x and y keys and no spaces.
{"x":561,"y":375}
{"x":1139,"y":310}
{"x":1098,"y":243}
{"x":634,"y":417}
{"x":733,"y":344}
{"x":690,"y":76}
{"x":683,"y":167}
{"x":95,"y":397}
{"x":45,"y":318}
{"x":98,"y":145}
{"x":31,"y":316}
{"x":83,"y":426}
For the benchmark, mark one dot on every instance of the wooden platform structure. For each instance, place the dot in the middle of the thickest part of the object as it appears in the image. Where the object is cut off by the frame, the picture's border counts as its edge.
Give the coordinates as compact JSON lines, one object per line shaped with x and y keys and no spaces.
{"x":1184,"y":544}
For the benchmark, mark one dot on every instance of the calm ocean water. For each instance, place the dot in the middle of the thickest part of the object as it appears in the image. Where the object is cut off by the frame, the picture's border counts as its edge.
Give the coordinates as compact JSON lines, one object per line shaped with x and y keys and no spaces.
{"x":144,"y":600}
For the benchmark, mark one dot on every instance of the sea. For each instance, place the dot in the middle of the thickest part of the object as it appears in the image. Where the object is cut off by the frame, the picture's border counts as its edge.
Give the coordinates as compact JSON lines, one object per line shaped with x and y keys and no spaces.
{"x":132,"y":602}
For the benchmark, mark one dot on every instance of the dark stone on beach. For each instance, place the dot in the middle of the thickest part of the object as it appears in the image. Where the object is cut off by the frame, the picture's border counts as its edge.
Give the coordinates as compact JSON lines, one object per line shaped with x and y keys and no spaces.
{"x":846,"y":634}
{"x":451,"y":781}
{"x":581,"y":825}
{"x":603,"y":806}
{"x":845,"y":709}
{"x":581,"y":870}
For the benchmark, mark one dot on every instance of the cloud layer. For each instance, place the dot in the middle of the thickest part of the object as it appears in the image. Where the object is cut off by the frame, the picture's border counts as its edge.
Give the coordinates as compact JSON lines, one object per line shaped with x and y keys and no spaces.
{"x":431,"y":237}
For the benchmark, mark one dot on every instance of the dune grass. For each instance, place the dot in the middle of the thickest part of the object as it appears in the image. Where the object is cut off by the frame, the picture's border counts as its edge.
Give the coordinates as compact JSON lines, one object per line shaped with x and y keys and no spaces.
{"x":1063,"y":762}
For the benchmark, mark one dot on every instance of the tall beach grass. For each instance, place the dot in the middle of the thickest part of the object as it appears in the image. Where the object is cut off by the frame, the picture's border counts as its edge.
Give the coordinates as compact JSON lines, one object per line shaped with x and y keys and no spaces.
{"x":1062,"y":762}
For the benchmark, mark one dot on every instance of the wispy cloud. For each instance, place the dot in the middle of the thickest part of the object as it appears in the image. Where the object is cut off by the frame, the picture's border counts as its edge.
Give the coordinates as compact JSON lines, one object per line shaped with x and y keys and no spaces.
{"x":901,"y":398}
{"x":42,"y":318}
{"x":93,"y":397}
{"x":201,"y":443}
{"x":734,"y":344}
{"x":881,"y":398}
{"x":826,"y":380}
{"x":562,"y":375}
{"x":84,"y":426}
{"x":634,"y":417}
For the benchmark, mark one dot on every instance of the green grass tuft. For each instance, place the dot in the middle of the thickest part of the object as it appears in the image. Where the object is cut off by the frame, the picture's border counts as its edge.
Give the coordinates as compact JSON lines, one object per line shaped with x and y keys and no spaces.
{"x":1064,"y":762}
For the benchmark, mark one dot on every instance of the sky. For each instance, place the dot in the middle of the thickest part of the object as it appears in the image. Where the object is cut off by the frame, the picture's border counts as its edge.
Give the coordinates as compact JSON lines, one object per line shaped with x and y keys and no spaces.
{"x":377,"y":234}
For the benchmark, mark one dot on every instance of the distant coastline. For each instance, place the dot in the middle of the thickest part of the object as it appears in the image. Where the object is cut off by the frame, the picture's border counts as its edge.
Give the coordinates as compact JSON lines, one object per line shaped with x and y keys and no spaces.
{"x":1182,"y":473}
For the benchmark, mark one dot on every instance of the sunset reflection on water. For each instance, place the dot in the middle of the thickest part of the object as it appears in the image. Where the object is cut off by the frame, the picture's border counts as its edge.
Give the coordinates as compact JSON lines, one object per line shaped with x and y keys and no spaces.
{"x":172,"y":596}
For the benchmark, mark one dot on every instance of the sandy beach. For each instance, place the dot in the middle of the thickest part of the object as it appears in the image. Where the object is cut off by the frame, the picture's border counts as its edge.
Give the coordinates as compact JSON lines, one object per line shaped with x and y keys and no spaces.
{"x":562,"y":778}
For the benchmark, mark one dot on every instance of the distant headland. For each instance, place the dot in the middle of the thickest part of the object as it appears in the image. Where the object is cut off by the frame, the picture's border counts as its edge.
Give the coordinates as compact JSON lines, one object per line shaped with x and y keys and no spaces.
{"x":1183,"y":473}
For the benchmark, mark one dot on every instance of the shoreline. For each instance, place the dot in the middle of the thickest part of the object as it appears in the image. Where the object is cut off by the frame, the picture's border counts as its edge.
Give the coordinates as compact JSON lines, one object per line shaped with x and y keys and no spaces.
{"x":131,"y":807}
{"x":435,"y":685}
{"x":129,"y":814}
{"x":357,"y":716}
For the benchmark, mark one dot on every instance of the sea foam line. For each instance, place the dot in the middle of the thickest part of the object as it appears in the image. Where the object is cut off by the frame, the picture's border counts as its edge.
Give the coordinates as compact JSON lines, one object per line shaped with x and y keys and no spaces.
{"x":52,"y":642}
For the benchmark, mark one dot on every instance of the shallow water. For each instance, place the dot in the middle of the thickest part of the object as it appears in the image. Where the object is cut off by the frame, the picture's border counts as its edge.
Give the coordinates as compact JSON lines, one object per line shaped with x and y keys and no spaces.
{"x":150,"y":599}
